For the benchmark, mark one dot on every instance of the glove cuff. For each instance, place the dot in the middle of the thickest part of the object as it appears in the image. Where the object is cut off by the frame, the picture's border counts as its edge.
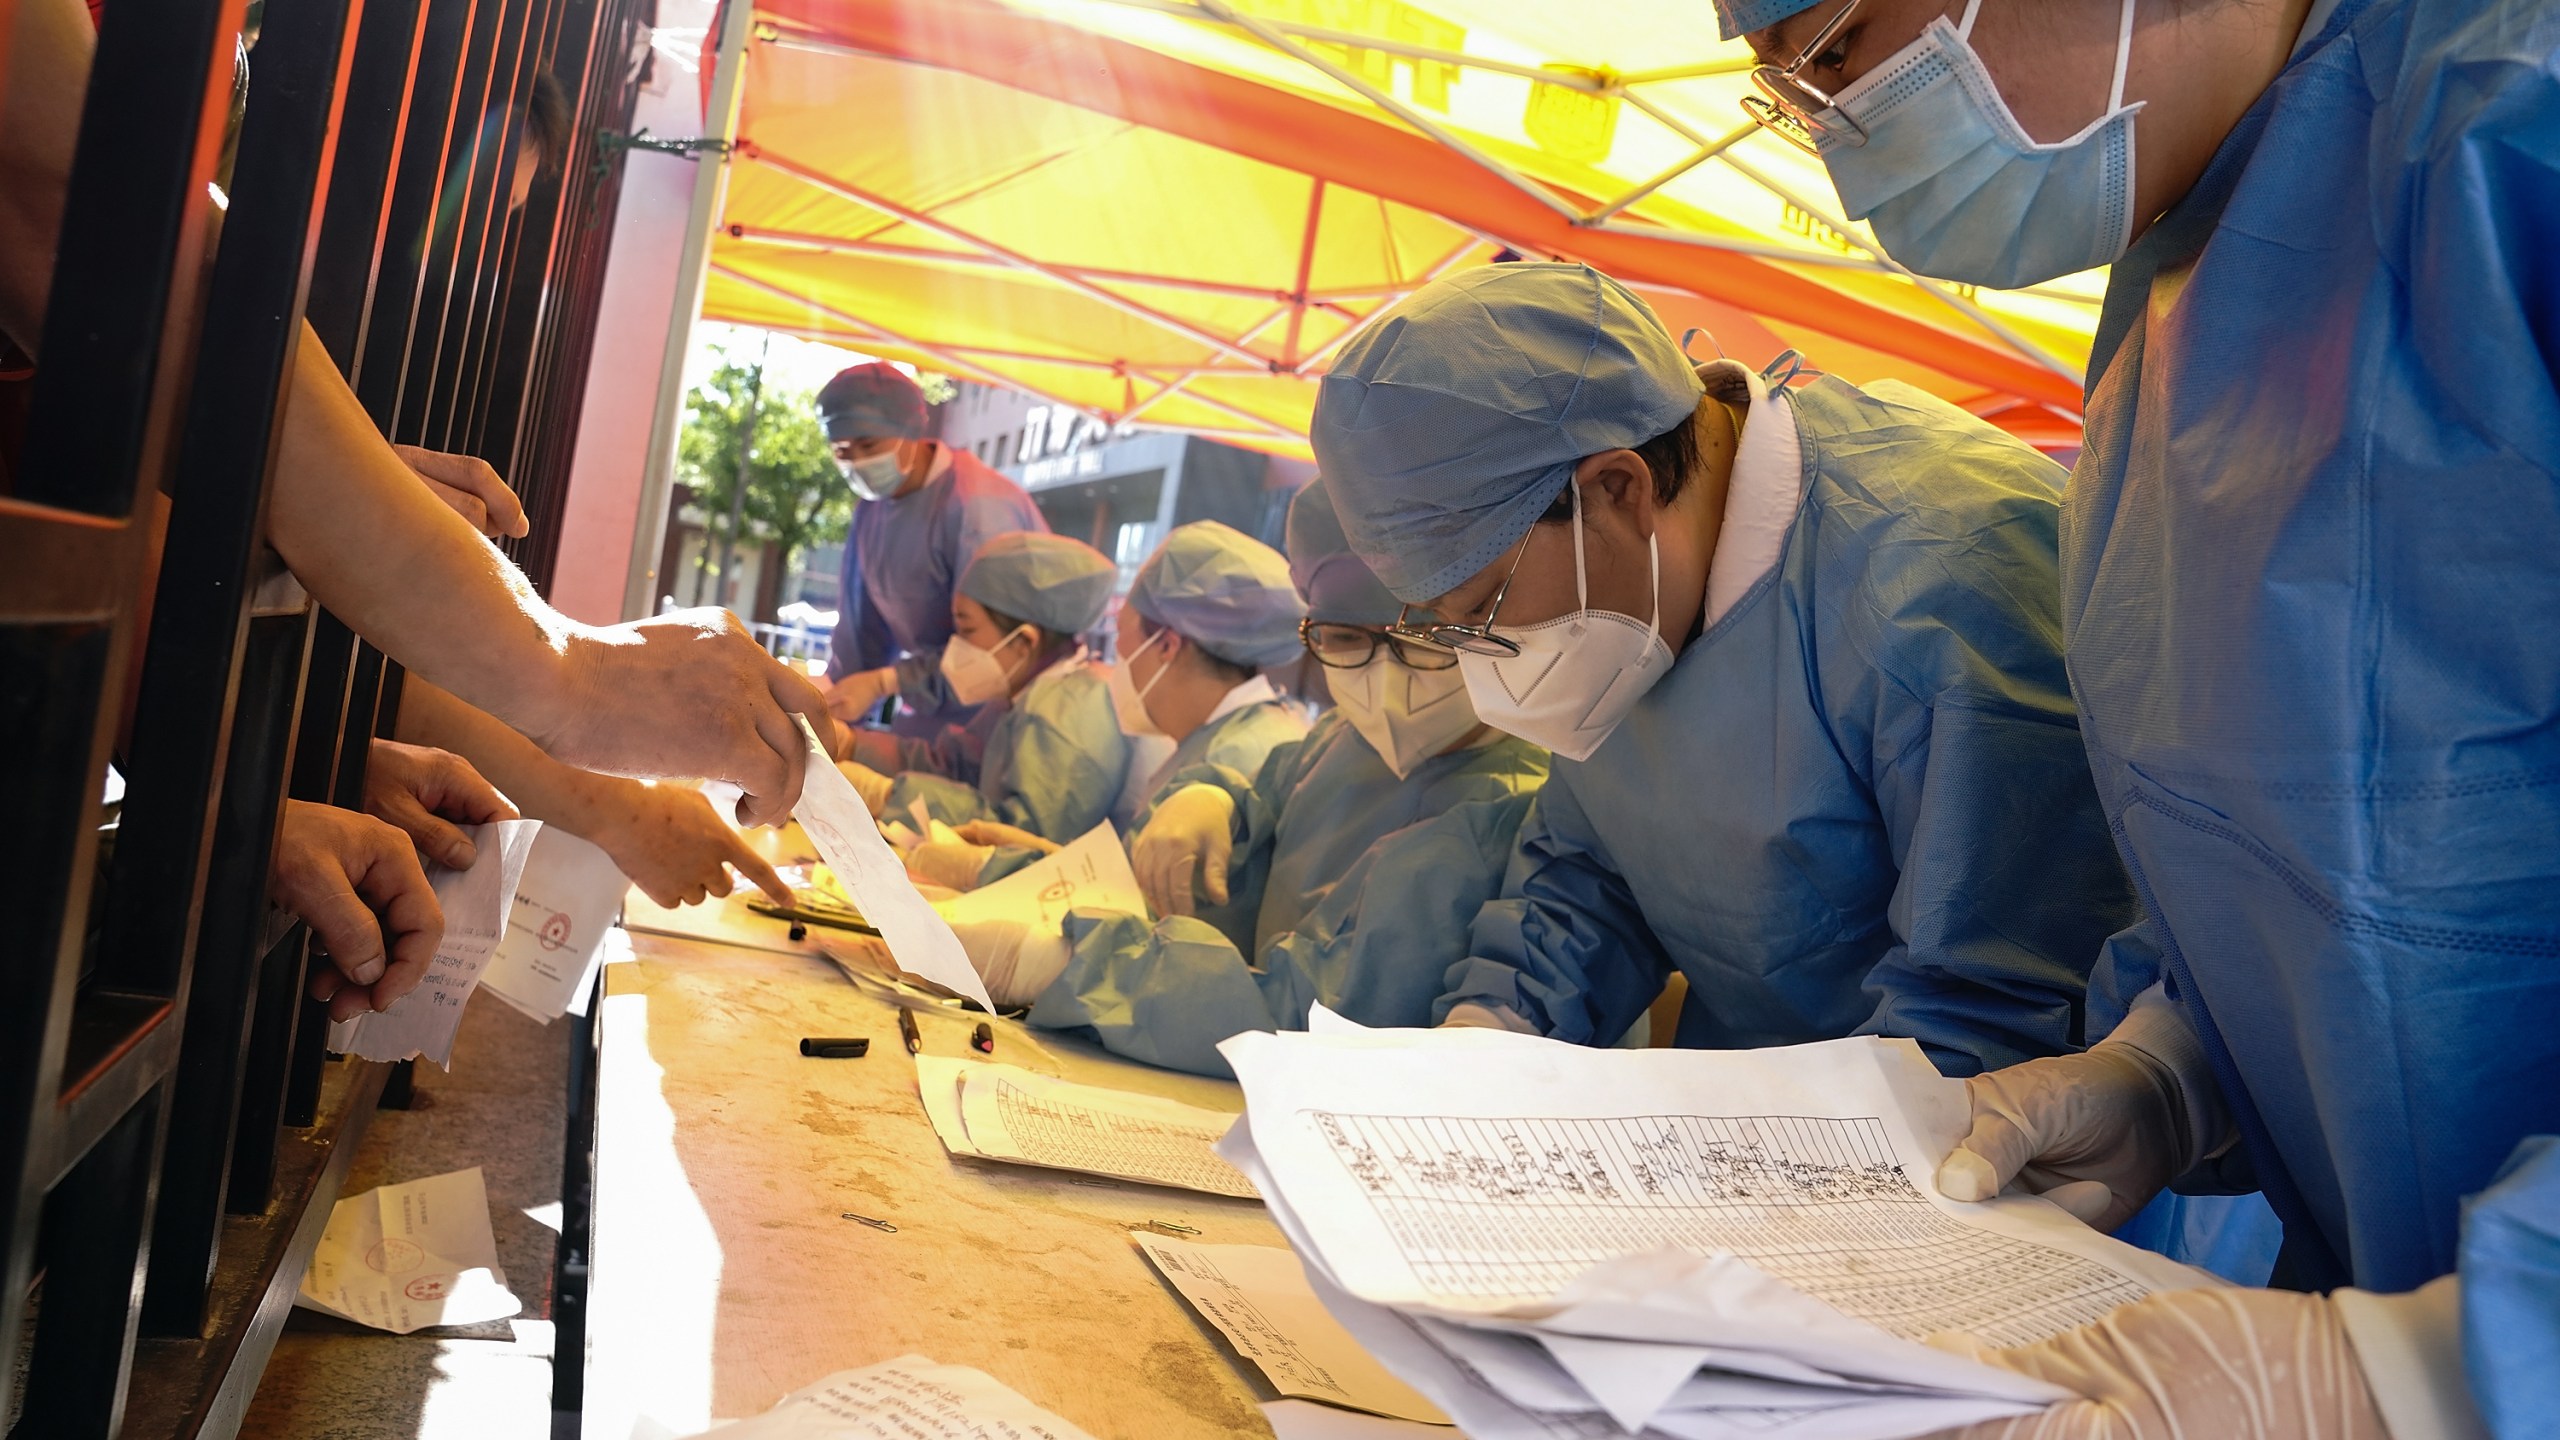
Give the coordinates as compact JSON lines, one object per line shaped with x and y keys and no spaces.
{"x":2410,"y":1348}
{"x":2159,"y":1037}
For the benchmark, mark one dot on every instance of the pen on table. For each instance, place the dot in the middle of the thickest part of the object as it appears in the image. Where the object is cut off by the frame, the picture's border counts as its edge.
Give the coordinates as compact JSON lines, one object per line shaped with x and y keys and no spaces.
{"x":907,"y":1031}
{"x":982,"y":1039}
{"x":835,"y":1047}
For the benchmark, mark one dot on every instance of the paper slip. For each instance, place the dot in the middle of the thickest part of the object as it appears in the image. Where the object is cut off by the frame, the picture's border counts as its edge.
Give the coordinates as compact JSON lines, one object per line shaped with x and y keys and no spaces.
{"x":1304,"y":1420}
{"x":475,"y":903}
{"x":411,"y":1255}
{"x":1003,"y":1112}
{"x":566,"y":901}
{"x":849,"y":839}
{"x":1684,"y":1243}
{"x":909,"y":1398}
{"x":1094,"y":872}
{"x":1258,"y":1298}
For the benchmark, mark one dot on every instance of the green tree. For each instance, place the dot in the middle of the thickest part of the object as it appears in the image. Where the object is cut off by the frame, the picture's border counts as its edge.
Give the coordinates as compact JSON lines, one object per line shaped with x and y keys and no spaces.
{"x":794,"y":496}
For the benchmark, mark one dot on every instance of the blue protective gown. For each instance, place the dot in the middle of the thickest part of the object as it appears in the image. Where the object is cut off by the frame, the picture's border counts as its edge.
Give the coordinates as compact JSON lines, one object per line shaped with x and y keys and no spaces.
{"x":1359,"y":886}
{"x":2511,"y":1293}
{"x":2311,"y":573}
{"x":901,"y":559}
{"x":1857,"y":803}
{"x":1053,"y":764}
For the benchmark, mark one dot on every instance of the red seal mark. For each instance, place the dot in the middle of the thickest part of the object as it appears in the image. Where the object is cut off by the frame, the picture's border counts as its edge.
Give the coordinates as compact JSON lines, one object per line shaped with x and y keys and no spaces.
{"x":395,"y":1257}
{"x":430,"y":1287}
{"x":554,"y":934}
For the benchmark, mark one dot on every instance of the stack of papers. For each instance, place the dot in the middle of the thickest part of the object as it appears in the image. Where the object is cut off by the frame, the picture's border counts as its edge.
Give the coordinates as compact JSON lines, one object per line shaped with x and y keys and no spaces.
{"x":1549,"y":1240}
{"x":421,"y":1024}
{"x":1003,"y":1112}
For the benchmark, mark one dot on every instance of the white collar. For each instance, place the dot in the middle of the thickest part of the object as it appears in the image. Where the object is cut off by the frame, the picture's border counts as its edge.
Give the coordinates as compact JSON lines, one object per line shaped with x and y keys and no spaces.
{"x":1251,"y":692}
{"x":1064,"y":663}
{"x":1762,"y":493}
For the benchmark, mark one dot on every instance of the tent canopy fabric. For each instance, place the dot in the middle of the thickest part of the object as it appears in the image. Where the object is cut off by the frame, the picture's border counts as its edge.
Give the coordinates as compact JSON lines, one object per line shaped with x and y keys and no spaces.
{"x":1172,"y":212}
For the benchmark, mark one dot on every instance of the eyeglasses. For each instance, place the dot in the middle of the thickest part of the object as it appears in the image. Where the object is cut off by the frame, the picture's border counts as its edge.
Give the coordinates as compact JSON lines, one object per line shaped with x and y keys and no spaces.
{"x":1467,"y":639}
{"x":1348,"y":647}
{"x":1797,"y":111}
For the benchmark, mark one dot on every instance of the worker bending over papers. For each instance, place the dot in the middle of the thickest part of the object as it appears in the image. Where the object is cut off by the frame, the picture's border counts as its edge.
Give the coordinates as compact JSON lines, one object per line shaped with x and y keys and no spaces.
{"x":1042,"y":752}
{"x":1344,"y":874}
{"x":1798,"y":655}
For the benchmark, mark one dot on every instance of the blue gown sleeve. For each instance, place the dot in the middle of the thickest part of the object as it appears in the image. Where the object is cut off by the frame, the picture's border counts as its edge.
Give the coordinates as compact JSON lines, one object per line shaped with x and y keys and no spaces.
{"x":861,"y":639}
{"x":1068,"y":761}
{"x":2511,"y":1292}
{"x":1164,"y":992}
{"x":1566,"y":948}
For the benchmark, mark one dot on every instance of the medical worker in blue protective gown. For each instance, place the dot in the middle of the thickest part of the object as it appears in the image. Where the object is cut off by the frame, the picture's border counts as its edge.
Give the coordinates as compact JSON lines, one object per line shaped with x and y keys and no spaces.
{"x":1796,"y":652}
{"x":2309,"y":586}
{"x":921,"y":512}
{"x":1043,"y":751}
{"x":1208,"y":610}
{"x":1353,"y":861}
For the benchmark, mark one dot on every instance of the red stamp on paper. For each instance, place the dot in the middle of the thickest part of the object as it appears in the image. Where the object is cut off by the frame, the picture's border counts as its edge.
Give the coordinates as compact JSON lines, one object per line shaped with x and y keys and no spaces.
{"x":395,"y":1257}
{"x":430,"y":1287}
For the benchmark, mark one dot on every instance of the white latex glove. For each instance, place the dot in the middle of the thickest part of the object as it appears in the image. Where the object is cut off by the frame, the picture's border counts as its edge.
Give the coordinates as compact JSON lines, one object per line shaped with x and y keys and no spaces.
{"x":1188,"y":839}
{"x":2097,"y":1133}
{"x":868,"y":783}
{"x":2220,"y":1362}
{"x":1016,"y":963}
{"x":1472,"y":1016}
{"x":950,"y":863}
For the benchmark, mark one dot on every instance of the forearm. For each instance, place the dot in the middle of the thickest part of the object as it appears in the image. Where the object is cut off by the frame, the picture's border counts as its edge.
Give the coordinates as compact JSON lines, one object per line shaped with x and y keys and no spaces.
{"x":403,"y":570}
{"x":541,"y":787}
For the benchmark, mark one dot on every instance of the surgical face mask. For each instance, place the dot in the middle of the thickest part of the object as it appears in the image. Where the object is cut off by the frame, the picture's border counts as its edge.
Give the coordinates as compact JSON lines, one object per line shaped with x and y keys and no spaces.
{"x":1406,"y":715}
{"x":876,"y":478}
{"x":1576,"y":676}
{"x":1954,"y":187}
{"x":1129,"y":698}
{"x":976,"y":675}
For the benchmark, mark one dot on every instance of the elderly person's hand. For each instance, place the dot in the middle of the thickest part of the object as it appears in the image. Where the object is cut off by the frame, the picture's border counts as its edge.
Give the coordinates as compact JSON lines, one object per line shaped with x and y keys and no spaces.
{"x":471,"y":487}
{"x":673,"y":845}
{"x":357,"y":883}
{"x":430,"y":795}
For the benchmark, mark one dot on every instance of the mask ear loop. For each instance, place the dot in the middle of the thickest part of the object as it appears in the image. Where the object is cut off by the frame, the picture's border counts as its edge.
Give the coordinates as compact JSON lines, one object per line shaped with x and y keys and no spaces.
{"x":1581,"y":593}
{"x":1653,"y":553}
{"x":1964,"y":28}
{"x":2124,"y":55}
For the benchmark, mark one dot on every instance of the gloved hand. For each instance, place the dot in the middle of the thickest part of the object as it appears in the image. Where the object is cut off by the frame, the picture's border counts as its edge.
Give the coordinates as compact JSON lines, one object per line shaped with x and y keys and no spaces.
{"x":2098,"y":1133}
{"x":2265,"y":1364}
{"x":953,"y":864}
{"x":999,"y":834}
{"x":1189,"y":838}
{"x":1016,"y":963}
{"x":868,"y":783}
{"x":1475,"y":1016}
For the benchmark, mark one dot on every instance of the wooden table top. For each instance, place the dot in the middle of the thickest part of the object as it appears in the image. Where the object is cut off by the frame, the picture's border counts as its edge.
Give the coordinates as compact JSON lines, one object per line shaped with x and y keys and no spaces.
{"x":723,"y":1276}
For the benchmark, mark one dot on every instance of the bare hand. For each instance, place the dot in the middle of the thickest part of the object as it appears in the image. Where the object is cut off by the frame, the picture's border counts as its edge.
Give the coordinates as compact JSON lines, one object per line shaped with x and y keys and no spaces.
{"x":675,"y":846}
{"x":356,"y":882}
{"x":689,"y":694}
{"x":471,"y":487}
{"x":860,"y":693}
{"x":997,"y":833}
{"x":425,"y":792}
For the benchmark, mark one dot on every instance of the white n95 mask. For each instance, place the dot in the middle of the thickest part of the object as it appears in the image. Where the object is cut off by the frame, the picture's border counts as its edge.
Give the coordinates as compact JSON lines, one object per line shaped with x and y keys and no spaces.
{"x":1953,"y":185}
{"x":876,"y":478}
{"x":1576,"y":676}
{"x":1128,"y":698}
{"x":1406,"y":715}
{"x":976,"y":676}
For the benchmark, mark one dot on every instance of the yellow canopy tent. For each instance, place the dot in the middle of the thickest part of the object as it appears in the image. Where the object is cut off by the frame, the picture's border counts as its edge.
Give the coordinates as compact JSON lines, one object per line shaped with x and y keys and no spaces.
{"x":1172,"y":212}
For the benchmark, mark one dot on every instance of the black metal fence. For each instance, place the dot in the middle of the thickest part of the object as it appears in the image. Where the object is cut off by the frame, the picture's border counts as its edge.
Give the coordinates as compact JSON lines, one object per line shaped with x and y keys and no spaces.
{"x":170,"y":1136}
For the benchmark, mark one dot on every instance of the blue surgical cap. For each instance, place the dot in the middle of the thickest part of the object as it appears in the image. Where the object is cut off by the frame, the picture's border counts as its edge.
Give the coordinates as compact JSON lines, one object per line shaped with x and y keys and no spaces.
{"x":873,"y":402}
{"x":1456,"y":417}
{"x":1336,"y":583}
{"x":1051,"y":581}
{"x":1741,"y":17}
{"x":1223,"y":590}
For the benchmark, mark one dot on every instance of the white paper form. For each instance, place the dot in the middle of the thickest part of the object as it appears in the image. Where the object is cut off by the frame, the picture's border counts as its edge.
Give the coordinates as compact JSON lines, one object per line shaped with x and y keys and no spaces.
{"x":406,"y":1256}
{"x":909,"y":1398}
{"x":566,"y":901}
{"x":1305,"y":1420}
{"x":1094,"y":872}
{"x":1003,"y":1112}
{"x":475,"y":903}
{"x":1489,"y":1186}
{"x":842,"y":828}
{"x":1258,"y":1298}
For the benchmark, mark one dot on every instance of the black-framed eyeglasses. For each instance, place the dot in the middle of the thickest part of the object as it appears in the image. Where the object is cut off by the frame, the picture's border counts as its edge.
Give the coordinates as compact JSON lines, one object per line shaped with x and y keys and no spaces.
{"x":1468,"y":639}
{"x":1794,"y":109}
{"x":1338,"y":646}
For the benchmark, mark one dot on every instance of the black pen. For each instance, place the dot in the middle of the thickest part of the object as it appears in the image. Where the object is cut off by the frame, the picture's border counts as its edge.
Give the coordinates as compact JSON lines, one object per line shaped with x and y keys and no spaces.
{"x":982,"y":1039}
{"x":907,"y":1031}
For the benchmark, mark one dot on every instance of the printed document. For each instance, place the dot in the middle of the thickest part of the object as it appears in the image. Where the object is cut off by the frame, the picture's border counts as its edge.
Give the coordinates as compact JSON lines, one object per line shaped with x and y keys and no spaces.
{"x":1003,"y":1112}
{"x":411,"y":1255}
{"x":909,"y":1398}
{"x":849,"y":840}
{"x":1258,"y":1298}
{"x":566,"y":901}
{"x":1094,"y":872}
{"x":421,"y":1024}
